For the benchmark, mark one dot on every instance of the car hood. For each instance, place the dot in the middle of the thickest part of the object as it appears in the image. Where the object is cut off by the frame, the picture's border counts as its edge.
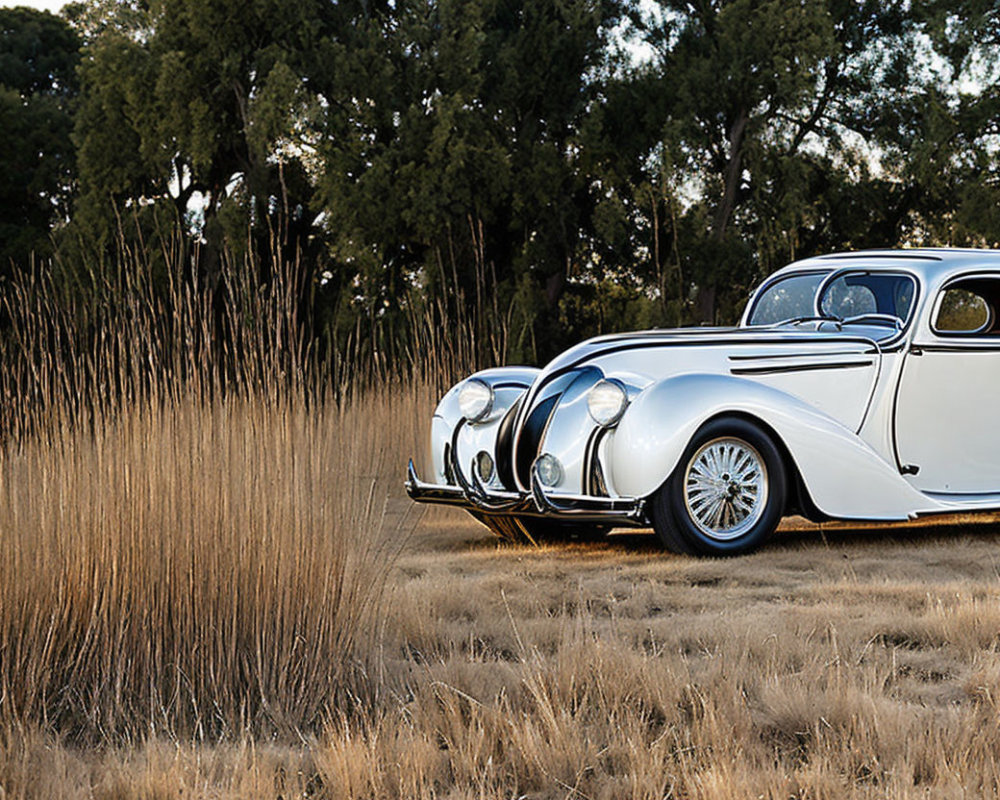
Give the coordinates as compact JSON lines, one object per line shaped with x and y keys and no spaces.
{"x":601,"y":346}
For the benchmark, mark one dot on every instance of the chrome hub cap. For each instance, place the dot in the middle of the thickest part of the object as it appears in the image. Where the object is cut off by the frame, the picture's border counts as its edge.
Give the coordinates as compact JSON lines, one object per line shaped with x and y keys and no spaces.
{"x":725,"y":488}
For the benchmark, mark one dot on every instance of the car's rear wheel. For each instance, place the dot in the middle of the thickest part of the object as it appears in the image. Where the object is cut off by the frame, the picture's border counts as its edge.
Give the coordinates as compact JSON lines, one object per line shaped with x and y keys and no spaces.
{"x":535,"y":530}
{"x":727,"y":494}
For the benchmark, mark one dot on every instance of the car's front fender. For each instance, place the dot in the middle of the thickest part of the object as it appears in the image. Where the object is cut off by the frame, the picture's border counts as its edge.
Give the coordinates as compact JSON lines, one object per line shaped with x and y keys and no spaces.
{"x":508,"y":384}
{"x":844,"y":476}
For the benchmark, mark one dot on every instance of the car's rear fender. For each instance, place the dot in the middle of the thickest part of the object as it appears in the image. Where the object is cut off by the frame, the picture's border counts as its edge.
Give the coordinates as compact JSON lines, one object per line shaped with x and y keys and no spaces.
{"x":845,"y":478}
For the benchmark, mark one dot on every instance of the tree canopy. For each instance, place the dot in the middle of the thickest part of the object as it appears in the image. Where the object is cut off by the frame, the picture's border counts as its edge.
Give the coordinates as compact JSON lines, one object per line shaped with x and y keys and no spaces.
{"x":38,"y":85}
{"x":535,"y":171}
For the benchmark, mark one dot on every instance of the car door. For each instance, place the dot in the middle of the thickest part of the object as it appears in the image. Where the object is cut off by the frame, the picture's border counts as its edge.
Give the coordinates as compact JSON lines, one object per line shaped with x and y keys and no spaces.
{"x":947,"y":422}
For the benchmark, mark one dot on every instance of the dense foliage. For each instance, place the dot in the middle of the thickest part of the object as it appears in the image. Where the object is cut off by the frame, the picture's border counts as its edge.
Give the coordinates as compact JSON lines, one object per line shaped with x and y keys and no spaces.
{"x":38,"y":84}
{"x":533,"y":172}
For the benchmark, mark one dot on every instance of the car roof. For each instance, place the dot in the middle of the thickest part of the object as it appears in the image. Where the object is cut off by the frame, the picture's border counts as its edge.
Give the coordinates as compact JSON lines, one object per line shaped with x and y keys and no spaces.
{"x":932,"y":264}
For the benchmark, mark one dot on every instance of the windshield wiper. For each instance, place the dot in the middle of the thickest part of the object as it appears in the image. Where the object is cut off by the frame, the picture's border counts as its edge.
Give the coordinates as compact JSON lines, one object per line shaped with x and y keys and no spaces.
{"x":891,"y":319}
{"x":813,"y":318}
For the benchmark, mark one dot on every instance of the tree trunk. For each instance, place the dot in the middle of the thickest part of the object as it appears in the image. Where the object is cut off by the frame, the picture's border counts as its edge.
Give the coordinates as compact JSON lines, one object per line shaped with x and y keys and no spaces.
{"x":733,"y":176}
{"x":704,"y":304}
{"x":554,"y":286}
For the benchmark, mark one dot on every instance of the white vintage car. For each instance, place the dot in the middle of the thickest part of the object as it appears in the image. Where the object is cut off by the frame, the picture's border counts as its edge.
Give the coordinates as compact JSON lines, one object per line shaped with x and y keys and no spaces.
{"x":857,"y":386}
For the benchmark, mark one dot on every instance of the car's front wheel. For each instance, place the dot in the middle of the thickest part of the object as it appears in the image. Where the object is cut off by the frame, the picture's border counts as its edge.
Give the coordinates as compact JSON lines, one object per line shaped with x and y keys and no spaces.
{"x":727,"y":494}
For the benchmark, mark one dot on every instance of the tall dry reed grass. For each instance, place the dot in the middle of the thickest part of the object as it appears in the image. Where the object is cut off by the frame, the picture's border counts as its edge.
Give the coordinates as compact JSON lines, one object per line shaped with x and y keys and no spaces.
{"x":191,"y":509}
{"x":194,"y":568}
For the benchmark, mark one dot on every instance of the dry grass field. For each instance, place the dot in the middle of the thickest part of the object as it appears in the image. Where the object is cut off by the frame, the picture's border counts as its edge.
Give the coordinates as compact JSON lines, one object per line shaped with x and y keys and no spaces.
{"x":834,"y":663}
{"x":214,"y":589}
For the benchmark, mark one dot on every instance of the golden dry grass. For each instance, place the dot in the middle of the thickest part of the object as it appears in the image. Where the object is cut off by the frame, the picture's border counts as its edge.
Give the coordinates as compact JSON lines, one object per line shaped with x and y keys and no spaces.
{"x":212,"y":587}
{"x":864,"y":665}
{"x":191,"y":524}
{"x":853,"y":664}
{"x":197,"y":569}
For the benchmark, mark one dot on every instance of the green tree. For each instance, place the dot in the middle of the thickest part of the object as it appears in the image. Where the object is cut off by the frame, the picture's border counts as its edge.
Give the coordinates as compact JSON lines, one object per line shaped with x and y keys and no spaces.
{"x":502,"y":164}
{"x":452,"y":167}
{"x":764,"y":116}
{"x":954,"y":170}
{"x":38,"y":85}
{"x":190,"y":112}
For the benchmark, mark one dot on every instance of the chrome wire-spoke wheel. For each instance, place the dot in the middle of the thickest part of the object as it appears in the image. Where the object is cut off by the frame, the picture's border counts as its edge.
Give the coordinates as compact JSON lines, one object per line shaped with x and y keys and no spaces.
{"x":725,"y":488}
{"x":727,"y":493}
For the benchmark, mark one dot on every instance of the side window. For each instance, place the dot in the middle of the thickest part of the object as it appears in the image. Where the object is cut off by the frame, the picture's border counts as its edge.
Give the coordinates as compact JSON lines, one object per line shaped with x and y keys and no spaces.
{"x":968,"y":307}
{"x":787,"y":298}
{"x":845,"y":299}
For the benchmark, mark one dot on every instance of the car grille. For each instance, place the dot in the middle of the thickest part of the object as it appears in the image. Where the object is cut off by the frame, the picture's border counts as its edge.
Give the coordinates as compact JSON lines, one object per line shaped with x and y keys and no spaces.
{"x":531,"y":437}
{"x":505,"y":447}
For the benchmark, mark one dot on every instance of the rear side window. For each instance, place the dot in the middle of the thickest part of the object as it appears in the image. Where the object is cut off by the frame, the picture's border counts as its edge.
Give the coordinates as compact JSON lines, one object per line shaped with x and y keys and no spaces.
{"x":968,"y":306}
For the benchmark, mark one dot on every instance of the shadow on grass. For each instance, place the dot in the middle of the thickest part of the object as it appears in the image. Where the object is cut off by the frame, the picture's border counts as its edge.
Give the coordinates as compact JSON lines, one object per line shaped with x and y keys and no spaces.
{"x":795,"y":533}
{"x":903,"y":535}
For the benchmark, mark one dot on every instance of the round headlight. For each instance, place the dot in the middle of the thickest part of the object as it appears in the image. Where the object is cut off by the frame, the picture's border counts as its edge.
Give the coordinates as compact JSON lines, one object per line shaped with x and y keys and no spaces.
{"x":606,"y":402}
{"x":475,"y":400}
{"x":549,"y":470}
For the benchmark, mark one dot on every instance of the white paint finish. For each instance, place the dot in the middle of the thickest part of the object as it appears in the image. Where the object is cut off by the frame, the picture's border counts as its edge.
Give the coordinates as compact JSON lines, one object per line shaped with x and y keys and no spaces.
{"x":506,"y":375}
{"x":948,"y":420}
{"x":474,"y":438}
{"x":844,"y":476}
{"x":841,"y":389}
{"x":569,"y":428}
{"x":837,"y":424}
{"x":877,"y":430}
{"x":441,"y":430}
{"x":840,"y":394}
{"x":636,"y":352}
{"x":808,"y":372}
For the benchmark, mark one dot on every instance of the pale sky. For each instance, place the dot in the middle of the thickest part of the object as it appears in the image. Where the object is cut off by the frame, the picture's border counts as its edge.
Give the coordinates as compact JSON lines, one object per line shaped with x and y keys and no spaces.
{"x":47,"y":5}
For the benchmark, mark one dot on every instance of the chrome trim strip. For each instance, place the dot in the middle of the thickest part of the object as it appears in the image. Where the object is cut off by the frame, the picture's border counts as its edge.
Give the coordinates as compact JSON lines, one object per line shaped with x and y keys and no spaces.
{"x":798,"y":367}
{"x":871,"y":351}
{"x":475,"y":493}
{"x":862,"y":255}
{"x":431,"y":493}
{"x":589,"y":454}
{"x":970,"y":347}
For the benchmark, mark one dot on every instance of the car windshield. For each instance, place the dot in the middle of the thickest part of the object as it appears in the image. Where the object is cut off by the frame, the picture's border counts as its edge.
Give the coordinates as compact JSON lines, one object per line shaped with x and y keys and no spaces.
{"x":868,"y":296}
{"x":863,"y":297}
{"x":788,"y":298}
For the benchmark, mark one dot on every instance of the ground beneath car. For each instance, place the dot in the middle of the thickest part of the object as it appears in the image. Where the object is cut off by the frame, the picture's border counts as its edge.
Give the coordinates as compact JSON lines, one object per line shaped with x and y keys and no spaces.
{"x":834,"y":663}
{"x":836,"y":659}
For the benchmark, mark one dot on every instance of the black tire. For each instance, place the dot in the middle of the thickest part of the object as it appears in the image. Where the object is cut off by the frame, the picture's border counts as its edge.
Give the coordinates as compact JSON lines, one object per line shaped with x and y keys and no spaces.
{"x":702,"y":509}
{"x":534,"y":530}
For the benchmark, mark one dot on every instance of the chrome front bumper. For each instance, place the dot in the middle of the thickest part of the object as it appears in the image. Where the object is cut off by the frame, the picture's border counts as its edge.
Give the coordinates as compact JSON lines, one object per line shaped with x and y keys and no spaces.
{"x":471,"y":494}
